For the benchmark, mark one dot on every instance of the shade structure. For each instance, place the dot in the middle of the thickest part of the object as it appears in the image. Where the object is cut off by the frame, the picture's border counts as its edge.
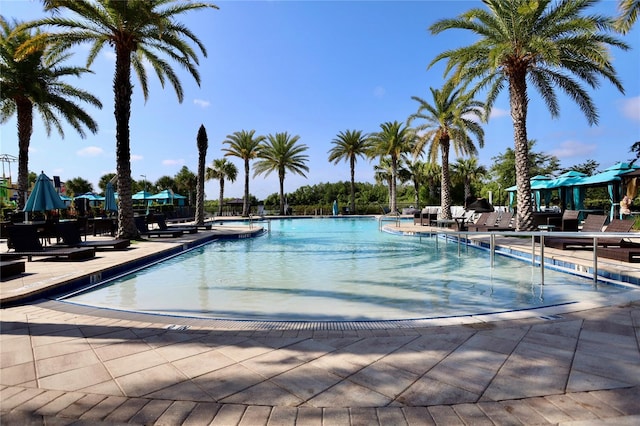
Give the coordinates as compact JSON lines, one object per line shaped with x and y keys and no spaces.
{"x":110,"y":204}
{"x":569,"y":178}
{"x":335,"y":207}
{"x":168,"y":197}
{"x":93,"y":199}
{"x":610,"y":175}
{"x":142,"y":195}
{"x":44,"y":196}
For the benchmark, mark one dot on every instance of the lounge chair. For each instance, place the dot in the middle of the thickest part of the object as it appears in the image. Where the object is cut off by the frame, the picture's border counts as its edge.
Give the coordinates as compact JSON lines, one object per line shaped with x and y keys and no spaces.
{"x":464,"y":220}
{"x":162,"y":225}
{"x":593,"y":223}
{"x":25,"y":242}
{"x":623,"y":254}
{"x":10,"y":268}
{"x":69,"y":233}
{"x":503,"y":224}
{"x":425,"y":216}
{"x":141,"y":224}
{"x":485,"y":219}
{"x":568,"y":222}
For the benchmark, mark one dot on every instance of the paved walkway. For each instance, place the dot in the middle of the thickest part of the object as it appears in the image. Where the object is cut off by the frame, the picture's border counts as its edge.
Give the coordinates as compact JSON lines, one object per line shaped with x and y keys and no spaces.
{"x":62,"y":365}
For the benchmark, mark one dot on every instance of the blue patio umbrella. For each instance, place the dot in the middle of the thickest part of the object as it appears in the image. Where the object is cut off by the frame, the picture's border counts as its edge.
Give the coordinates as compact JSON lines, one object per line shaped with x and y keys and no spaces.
{"x":335,"y":207}
{"x":44,"y":196}
{"x":110,"y":204}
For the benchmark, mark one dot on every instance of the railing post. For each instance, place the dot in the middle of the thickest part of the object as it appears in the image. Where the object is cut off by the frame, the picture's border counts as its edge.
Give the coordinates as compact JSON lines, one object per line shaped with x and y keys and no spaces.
{"x":542,"y":258}
{"x":595,"y":259}
{"x":492,"y":247}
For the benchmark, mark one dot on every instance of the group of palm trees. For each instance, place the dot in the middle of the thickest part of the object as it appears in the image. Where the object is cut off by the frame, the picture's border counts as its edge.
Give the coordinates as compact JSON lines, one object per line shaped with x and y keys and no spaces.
{"x":520,"y":43}
{"x":279,"y":152}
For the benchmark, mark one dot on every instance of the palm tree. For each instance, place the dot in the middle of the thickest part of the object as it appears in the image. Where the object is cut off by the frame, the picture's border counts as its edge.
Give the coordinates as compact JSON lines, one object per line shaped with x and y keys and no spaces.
{"x":382,"y":174}
{"x":203,"y":144}
{"x":185,"y":182}
{"x":467,"y":171}
{"x":391,"y":141}
{"x":140,"y":32}
{"x":348,"y":146}
{"x":280,"y":152}
{"x":433,"y":177}
{"x":35,"y":81}
{"x":417,"y":174}
{"x":546,"y":43}
{"x":628,"y":15}
{"x":222,"y":170}
{"x":448,"y":120}
{"x":245,"y":145}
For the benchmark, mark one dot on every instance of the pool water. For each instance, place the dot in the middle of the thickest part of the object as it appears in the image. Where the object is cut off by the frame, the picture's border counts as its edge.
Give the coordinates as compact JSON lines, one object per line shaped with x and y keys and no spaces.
{"x":338,"y":270}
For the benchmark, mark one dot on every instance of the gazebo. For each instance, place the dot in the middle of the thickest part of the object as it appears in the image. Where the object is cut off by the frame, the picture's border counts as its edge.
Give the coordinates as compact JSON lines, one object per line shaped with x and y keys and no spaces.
{"x":618,"y":180}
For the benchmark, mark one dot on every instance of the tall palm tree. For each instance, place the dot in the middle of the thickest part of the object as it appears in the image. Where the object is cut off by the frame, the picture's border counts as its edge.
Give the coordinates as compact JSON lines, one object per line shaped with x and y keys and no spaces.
{"x":467,"y":171}
{"x":245,"y":145}
{"x":203,"y":143}
{"x":140,"y":32}
{"x":281,"y":152}
{"x":391,"y":141}
{"x":222,"y":169}
{"x":417,"y":174}
{"x":348,"y":146}
{"x":548,"y":44}
{"x":628,"y":15}
{"x":35,"y":81}
{"x":448,"y":120}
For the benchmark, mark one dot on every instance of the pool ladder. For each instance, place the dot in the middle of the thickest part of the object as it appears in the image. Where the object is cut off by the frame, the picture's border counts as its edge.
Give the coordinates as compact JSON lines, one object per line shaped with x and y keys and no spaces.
{"x":260,"y":219}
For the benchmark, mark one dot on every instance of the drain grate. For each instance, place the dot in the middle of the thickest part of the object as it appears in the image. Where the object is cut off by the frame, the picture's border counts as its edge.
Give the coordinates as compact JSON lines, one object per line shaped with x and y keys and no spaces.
{"x":177,"y":327}
{"x":550,"y":317}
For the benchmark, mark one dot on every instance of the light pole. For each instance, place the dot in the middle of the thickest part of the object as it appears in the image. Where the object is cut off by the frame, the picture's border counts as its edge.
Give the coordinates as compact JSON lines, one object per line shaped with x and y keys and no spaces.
{"x":144,"y":192}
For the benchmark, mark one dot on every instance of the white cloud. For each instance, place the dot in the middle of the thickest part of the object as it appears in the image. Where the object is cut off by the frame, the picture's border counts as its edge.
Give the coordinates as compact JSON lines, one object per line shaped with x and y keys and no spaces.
{"x":178,"y":162}
{"x":135,"y":157}
{"x":110,"y":55}
{"x":379,"y":92}
{"x":631,"y":108}
{"x":201,"y":103}
{"x":498,"y":112}
{"x":90,"y":151}
{"x":569,"y":149}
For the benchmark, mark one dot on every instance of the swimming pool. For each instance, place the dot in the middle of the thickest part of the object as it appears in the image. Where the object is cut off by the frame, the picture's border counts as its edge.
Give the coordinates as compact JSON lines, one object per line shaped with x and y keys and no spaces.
{"x":337,"y":270}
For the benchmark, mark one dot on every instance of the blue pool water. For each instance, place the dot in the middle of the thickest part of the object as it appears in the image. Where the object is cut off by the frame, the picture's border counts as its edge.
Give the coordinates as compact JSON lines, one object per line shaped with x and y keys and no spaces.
{"x":338,"y":269}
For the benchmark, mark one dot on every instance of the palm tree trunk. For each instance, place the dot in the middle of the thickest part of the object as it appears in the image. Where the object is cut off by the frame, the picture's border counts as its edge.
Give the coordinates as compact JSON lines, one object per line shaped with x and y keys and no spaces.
{"x":245,"y":203}
{"x":122,"y":90}
{"x":445,"y":201}
{"x":25,"y":127}
{"x":221,"y":196}
{"x":392,"y":186}
{"x":518,"y":100}
{"x":467,"y":189}
{"x":352,"y":164}
{"x":281,"y":178}
{"x":200,"y":195}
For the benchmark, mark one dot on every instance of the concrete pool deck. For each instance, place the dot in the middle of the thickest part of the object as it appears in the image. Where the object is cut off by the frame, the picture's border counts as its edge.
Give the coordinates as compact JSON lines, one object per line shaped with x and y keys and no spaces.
{"x":62,"y":364}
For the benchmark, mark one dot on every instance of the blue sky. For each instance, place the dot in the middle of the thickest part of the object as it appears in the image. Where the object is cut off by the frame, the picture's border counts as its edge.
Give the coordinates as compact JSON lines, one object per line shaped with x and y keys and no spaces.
{"x":312,"y":69}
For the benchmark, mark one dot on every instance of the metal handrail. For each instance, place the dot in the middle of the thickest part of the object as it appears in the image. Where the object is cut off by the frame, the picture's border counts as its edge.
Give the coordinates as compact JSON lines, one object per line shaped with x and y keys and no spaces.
{"x":541,"y":234}
{"x":261,"y":220}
